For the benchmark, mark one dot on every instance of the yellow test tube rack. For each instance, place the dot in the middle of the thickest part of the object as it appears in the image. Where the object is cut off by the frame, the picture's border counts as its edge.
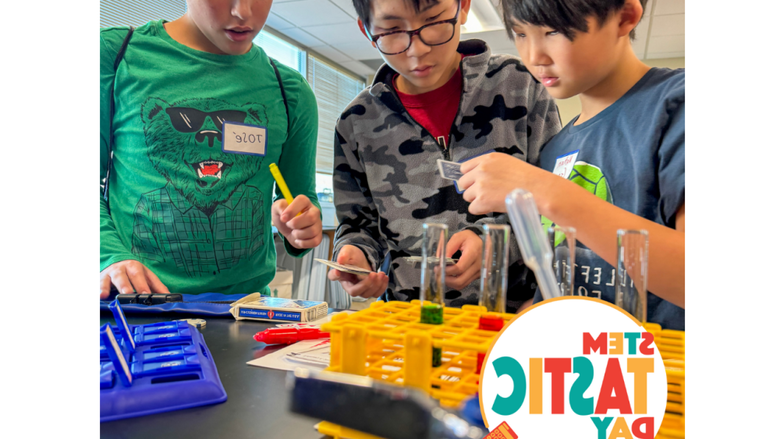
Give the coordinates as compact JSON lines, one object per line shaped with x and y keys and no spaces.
{"x":387,"y":342}
{"x":671,"y":345}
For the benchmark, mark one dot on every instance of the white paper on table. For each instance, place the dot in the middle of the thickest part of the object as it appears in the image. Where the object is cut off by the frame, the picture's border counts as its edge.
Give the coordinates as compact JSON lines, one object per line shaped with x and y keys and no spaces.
{"x":282,"y":359}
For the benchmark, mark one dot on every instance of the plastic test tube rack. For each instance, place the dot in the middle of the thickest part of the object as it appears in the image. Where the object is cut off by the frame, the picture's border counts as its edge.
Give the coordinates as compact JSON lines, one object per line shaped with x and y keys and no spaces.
{"x":671,"y":345}
{"x":387,"y":342}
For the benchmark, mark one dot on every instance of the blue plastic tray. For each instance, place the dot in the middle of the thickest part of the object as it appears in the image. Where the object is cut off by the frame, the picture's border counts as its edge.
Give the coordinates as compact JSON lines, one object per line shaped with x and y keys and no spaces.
{"x":169,"y":372}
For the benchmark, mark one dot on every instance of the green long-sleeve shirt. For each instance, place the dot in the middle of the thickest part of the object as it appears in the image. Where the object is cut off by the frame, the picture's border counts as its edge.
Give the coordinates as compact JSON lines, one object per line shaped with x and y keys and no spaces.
{"x":195,"y":213}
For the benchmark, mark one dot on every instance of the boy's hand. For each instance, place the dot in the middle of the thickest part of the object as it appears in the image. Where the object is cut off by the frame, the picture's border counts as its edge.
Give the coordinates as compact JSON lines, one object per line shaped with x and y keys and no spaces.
{"x":369,"y":286}
{"x":467,"y":269}
{"x":302,"y":231}
{"x":130,"y":276}
{"x":489,"y":178}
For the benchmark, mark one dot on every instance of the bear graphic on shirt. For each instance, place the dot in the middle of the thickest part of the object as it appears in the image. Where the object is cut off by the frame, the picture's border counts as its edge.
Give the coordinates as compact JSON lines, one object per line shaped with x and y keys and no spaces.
{"x":206,"y":218}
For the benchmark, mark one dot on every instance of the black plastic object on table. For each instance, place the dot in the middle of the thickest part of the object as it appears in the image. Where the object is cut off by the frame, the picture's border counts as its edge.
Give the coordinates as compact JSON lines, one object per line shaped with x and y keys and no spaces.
{"x":148,"y":299}
{"x":376,"y":408}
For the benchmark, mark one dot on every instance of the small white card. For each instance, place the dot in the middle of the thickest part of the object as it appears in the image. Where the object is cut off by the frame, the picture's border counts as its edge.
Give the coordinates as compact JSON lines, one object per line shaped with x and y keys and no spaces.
{"x":239,"y":138}
{"x":449,"y":170}
{"x":565,"y":163}
{"x":353,"y":269}
{"x":457,"y":188}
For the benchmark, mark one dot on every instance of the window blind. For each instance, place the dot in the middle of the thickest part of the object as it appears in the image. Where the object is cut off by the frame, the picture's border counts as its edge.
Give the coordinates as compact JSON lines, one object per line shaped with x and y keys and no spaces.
{"x":334,"y":90}
{"x":138,"y":12}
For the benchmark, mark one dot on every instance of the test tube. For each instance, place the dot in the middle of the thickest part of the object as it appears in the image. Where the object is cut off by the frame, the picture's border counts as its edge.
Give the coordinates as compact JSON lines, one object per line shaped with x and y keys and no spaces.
{"x":492,"y":285}
{"x":631,"y":282}
{"x":563,"y":241}
{"x":495,"y":261}
{"x":434,"y":260}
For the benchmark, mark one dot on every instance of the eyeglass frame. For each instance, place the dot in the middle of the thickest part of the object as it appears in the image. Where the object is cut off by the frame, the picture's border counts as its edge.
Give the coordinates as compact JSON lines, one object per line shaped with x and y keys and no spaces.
{"x":412,"y":33}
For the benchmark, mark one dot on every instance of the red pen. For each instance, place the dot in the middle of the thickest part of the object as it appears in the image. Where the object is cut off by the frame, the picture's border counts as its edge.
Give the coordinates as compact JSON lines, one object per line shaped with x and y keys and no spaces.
{"x":289,"y":335}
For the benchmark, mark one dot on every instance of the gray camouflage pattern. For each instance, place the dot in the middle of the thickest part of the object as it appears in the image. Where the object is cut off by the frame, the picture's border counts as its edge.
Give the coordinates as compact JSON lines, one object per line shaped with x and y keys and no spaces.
{"x":386,"y":180}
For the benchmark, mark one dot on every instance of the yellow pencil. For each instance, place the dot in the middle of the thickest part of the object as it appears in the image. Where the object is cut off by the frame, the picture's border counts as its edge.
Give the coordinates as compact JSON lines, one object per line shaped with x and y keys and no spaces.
{"x":281,"y":184}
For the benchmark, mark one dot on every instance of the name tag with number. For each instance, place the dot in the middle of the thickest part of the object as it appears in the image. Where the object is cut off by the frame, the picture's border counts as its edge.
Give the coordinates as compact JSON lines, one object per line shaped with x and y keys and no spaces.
{"x":239,"y":138}
{"x":565,"y":163}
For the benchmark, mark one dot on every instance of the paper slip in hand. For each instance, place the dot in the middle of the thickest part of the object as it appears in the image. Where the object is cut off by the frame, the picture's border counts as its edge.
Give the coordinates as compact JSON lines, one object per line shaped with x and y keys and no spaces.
{"x":345,"y":268}
{"x":449,"y":170}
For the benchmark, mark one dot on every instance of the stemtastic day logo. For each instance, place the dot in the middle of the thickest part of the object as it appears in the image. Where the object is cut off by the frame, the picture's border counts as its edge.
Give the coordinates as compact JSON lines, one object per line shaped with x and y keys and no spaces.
{"x":574,"y":367}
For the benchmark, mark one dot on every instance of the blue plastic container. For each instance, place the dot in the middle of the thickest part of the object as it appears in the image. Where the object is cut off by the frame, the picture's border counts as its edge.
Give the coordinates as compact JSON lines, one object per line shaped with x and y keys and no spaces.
{"x":163,"y":373}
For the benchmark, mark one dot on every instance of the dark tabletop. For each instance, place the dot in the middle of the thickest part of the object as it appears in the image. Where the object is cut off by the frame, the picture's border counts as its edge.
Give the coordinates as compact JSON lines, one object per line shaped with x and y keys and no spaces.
{"x":257,"y":397}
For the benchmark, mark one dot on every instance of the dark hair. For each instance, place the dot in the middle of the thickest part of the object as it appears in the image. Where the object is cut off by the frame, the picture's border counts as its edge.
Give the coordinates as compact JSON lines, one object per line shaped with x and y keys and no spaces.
{"x":363,"y":8}
{"x":565,"y":16}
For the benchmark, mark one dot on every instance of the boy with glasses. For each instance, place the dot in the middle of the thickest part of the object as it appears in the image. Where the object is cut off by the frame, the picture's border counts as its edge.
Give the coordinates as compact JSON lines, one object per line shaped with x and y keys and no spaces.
{"x":435,"y":98}
{"x":199,"y":114}
{"x":622,"y":158}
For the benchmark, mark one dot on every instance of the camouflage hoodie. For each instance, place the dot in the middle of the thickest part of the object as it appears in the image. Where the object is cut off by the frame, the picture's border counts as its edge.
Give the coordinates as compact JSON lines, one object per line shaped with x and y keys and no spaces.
{"x":386,"y":180}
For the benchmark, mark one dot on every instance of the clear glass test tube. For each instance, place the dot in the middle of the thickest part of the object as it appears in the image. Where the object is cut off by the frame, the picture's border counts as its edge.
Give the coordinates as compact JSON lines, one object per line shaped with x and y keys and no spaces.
{"x":563,"y":241}
{"x":434,"y":248}
{"x":493,"y":280}
{"x":631,"y":282}
{"x":434,"y":261}
{"x":495,"y":262}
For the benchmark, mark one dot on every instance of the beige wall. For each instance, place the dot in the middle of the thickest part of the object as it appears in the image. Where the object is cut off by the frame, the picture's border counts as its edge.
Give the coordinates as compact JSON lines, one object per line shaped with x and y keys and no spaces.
{"x":569,"y":108}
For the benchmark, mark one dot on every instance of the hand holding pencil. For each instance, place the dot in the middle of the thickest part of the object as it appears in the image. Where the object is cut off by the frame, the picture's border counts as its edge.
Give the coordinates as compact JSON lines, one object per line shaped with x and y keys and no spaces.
{"x":295,"y":218}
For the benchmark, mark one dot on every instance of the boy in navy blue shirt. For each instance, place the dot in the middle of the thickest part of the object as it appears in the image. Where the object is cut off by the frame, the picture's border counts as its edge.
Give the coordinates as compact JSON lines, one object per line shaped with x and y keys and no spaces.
{"x":622,"y":158}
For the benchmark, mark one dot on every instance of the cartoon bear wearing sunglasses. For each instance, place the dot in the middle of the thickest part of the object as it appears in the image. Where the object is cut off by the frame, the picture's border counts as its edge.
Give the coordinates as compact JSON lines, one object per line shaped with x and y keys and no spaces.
{"x":206,"y":218}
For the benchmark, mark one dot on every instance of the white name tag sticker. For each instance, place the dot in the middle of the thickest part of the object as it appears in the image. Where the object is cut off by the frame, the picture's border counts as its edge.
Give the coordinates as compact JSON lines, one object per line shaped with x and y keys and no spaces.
{"x":565,"y":163}
{"x":239,"y":138}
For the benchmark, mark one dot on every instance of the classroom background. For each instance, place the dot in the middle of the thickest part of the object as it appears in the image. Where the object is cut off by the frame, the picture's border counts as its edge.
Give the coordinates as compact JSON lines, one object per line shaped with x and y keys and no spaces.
{"x":321,"y":40}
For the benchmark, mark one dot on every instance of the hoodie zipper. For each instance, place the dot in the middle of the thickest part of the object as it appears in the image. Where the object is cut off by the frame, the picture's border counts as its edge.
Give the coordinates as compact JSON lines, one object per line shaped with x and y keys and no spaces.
{"x":443,"y":145}
{"x":441,"y":141}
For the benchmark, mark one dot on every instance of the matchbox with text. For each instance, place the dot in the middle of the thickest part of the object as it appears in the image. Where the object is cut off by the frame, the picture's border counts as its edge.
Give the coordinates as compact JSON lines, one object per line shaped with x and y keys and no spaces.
{"x":574,"y":367}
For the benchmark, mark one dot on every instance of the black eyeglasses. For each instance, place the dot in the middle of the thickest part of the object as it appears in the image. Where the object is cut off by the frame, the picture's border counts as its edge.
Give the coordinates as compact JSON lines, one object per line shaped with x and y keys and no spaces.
{"x":190,"y":120}
{"x":433,"y":34}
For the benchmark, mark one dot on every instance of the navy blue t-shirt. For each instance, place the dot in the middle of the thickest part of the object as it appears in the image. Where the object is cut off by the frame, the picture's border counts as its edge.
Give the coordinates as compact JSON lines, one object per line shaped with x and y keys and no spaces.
{"x":632,"y":154}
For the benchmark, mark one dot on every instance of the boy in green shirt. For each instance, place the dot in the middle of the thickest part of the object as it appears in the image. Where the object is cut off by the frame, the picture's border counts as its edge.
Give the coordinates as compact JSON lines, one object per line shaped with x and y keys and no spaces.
{"x":199,"y":114}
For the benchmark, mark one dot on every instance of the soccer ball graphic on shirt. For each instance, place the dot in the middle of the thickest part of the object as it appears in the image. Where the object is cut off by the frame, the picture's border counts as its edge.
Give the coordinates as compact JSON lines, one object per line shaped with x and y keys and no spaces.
{"x":590,"y":178}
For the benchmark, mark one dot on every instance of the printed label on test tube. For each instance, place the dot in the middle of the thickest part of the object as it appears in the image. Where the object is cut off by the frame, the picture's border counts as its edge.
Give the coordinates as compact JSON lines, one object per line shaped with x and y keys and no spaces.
{"x":563,"y":241}
{"x":631,"y":284}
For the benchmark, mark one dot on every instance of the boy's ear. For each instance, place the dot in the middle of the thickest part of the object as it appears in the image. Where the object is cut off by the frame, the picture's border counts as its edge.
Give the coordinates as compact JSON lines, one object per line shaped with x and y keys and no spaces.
{"x":629,"y":17}
{"x":363,"y":30}
{"x":465,"y":5}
